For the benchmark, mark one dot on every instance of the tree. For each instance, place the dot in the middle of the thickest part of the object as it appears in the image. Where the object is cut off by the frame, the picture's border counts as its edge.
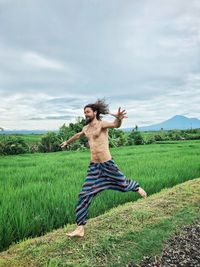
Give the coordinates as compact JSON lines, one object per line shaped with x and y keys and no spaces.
{"x":158,"y":137}
{"x":49,"y":143}
{"x":65,"y":132}
{"x":135,"y":138}
{"x":116,"y":137}
{"x":13,"y":145}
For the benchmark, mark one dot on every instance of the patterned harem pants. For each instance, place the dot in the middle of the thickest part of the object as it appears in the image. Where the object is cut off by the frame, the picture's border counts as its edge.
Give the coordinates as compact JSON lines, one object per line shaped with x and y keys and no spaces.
{"x":101,"y":176}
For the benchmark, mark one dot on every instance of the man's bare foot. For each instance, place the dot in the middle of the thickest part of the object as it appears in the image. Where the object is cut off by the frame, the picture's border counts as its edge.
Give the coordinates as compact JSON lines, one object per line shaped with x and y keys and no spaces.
{"x":78,"y":232}
{"x":142,"y":192}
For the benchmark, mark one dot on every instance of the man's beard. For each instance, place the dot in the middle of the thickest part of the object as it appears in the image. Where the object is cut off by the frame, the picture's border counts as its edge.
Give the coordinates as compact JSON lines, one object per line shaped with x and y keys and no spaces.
{"x":88,"y":120}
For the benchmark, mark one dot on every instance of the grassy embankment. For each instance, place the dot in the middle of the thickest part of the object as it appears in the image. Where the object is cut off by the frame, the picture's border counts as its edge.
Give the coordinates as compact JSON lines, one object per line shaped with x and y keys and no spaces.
{"x":119,"y":237}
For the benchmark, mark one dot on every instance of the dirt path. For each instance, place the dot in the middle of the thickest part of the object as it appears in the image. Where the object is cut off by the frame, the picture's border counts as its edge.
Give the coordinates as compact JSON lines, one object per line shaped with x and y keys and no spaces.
{"x":183,"y":250}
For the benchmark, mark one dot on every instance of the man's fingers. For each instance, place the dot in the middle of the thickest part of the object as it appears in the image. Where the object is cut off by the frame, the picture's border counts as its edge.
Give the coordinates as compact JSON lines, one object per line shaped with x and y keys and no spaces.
{"x":122,"y":112}
{"x":119,"y":113}
{"x":62,"y":145}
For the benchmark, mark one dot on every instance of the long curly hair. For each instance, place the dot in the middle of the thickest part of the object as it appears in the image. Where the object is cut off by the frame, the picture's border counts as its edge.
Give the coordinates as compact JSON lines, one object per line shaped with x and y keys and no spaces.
{"x":100,"y":107}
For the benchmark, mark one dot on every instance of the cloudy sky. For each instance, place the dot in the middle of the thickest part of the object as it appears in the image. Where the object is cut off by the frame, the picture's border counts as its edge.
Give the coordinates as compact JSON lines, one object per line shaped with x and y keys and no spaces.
{"x":57,"y":56}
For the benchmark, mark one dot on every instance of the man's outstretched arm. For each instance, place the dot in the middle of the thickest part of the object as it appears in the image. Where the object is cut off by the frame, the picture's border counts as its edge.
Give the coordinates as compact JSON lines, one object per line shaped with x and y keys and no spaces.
{"x":120,"y":115}
{"x":73,"y":138}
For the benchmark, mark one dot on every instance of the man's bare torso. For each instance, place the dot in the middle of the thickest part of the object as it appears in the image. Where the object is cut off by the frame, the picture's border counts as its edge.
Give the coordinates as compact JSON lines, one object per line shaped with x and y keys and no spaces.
{"x":98,"y":142}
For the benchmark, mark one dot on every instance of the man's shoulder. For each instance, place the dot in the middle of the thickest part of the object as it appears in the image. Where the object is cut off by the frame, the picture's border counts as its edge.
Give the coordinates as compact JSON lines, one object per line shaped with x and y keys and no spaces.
{"x":104,"y":124}
{"x":102,"y":121}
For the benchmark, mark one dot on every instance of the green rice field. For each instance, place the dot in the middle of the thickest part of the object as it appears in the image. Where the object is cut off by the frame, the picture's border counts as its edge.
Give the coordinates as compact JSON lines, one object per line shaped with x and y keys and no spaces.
{"x":38,"y":192}
{"x":28,"y":138}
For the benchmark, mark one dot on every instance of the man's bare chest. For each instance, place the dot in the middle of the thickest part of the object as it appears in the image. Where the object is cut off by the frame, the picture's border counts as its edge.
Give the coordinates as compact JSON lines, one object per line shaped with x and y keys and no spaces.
{"x":93,"y":132}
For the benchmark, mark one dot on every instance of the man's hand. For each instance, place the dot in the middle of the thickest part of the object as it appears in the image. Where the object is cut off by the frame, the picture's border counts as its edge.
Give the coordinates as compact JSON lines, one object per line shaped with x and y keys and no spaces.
{"x":120,"y":114}
{"x":63,"y":144}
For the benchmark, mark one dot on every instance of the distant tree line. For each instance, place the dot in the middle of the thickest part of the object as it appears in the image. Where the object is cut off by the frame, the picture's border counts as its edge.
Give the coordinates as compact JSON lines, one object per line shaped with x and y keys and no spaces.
{"x":12,"y":145}
{"x":175,"y":135}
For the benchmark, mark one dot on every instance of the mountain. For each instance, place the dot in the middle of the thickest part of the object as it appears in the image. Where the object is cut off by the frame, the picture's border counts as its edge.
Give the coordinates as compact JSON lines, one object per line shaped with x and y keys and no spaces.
{"x":177,"y":122}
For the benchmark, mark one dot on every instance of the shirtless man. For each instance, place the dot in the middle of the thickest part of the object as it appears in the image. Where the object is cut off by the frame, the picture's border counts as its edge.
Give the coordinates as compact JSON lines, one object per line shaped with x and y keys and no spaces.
{"x":102,"y":173}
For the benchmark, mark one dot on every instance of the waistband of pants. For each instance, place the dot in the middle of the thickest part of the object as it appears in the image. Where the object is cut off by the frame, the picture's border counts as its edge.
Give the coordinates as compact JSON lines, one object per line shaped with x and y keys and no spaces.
{"x":97,"y":163}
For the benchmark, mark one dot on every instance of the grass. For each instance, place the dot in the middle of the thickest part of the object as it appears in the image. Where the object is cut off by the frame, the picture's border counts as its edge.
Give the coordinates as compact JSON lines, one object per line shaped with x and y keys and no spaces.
{"x":38,"y":192}
{"x":30,"y":139}
{"x":120,"y":237}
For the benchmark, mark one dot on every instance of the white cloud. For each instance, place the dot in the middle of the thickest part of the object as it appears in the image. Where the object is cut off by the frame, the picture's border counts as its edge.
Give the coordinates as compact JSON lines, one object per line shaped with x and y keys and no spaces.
{"x":23,"y":71}
{"x":35,"y":60}
{"x":40,"y":111}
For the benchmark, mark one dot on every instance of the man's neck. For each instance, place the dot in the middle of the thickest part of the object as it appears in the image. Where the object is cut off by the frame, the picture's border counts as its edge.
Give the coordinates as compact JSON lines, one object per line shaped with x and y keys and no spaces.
{"x":93,"y":123}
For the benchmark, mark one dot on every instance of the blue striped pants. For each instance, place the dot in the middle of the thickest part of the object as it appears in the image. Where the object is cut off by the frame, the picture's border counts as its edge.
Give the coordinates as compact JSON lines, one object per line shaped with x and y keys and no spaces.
{"x":101,"y":176}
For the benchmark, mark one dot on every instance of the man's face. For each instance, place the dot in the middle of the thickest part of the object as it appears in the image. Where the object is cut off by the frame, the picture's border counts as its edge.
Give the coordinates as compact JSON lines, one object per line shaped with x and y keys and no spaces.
{"x":89,"y":115}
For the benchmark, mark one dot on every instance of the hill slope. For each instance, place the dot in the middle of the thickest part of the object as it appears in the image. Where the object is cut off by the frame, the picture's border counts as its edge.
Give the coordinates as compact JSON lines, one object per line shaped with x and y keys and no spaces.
{"x":119,"y":237}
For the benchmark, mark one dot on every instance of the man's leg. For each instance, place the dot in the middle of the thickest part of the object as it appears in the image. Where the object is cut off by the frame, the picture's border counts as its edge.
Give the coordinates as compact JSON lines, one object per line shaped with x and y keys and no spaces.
{"x":78,"y":232}
{"x":84,"y":200}
{"x":142,"y":192}
{"x":82,"y":214}
{"x":117,"y":180}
